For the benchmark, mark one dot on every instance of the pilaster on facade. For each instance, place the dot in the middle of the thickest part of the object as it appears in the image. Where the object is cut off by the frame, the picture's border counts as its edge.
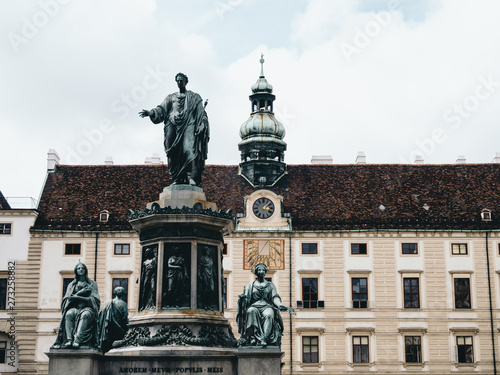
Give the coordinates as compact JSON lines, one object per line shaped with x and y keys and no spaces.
{"x":27,"y":309}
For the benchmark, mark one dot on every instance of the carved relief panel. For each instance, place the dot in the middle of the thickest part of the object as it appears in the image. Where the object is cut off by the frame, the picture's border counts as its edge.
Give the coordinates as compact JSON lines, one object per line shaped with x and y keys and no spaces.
{"x":176,"y":284}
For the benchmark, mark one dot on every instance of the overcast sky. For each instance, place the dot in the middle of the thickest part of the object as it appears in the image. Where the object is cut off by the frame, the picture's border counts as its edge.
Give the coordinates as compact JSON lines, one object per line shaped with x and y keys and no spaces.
{"x":391,"y":78}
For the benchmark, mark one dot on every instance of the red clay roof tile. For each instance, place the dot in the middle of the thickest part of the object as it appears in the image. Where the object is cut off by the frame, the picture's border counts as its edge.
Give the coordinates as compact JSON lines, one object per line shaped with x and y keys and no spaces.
{"x":318,"y":197}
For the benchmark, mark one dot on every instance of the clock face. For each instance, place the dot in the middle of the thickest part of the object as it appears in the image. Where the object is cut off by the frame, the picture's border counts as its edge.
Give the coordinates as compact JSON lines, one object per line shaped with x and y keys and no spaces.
{"x":263,"y":208}
{"x":269,"y":252}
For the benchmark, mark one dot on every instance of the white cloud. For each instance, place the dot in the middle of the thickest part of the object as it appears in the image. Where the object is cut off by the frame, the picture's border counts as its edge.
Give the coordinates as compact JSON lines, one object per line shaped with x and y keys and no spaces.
{"x":386,"y":101}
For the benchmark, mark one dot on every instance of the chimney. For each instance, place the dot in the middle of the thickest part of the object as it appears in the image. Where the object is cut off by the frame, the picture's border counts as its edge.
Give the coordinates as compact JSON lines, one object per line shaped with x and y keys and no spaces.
{"x":109,"y":160}
{"x":155,"y":159}
{"x":461,"y":159}
{"x":361,"y":158}
{"x":419,"y":159}
{"x":322,"y":159}
{"x":496,"y":159}
{"x":52,"y":160}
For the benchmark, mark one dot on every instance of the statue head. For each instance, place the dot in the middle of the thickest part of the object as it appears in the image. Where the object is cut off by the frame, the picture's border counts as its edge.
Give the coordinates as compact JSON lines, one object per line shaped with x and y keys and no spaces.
{"x":259,"y":266}
{"x":119,"y":291}
{"x":182,"y":76}
{"x":81,"y":271}
{"x":79,"y":268}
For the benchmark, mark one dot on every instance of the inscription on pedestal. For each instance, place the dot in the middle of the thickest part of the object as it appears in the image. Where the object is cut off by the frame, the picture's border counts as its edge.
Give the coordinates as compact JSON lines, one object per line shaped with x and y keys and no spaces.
{"x":200,"y":367}
{"x":171,"y":370}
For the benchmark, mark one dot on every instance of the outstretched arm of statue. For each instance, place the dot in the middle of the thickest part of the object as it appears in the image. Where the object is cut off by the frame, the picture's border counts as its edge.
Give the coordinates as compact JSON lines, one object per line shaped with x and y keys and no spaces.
{"x":278,"y":304}
{"x":281,"y":307}
{"x":145,"y":113}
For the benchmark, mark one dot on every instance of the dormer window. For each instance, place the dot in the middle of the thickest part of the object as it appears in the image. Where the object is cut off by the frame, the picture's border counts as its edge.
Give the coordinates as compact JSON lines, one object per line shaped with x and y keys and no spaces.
{"x":104,"y":216}
{"x":486,"y":215}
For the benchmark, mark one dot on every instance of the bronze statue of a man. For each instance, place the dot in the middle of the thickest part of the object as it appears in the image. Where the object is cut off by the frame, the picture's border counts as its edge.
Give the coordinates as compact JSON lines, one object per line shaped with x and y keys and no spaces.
{"x":186,"y":132}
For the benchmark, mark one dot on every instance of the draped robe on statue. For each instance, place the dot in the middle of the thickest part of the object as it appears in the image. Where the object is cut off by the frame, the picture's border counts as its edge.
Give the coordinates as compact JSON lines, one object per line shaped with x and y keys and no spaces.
{"x":79,"y":319}
{"x":206,"y":281}
{"x":113,"y":321}
{"x":258,"y":318}
{"x":186,"y":134}
{"x":177,"y":280}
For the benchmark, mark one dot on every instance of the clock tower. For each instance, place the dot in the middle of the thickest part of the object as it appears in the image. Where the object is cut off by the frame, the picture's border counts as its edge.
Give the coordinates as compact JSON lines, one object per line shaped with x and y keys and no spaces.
{"x":262,"y":147}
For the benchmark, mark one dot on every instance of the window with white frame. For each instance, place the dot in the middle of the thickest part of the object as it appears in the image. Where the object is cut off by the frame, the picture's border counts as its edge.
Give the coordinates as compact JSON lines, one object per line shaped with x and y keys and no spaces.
{"x":413,"y":349}
{"x":123,"y":282}
{"x":3,"y":351}
{"x":462,"y":289}
{"x":459,"y":249}
{"x":310,"y":349}
{"x":72,"y":249}
{"x":409,"y":248}
{"x":5,"y":228}
{"x":310,"y":248}
{"x":465,"y":349}
{"x":359,"y":249}
{"x":411,"y":292}
{"x":3,"y":293}
{"x":360,"y":349}
{"x":359,"y":292}
{"x":65,"y":283}
{"x":122,"y":249}
{"x":310,"y":292}
{"x":224,"y":288}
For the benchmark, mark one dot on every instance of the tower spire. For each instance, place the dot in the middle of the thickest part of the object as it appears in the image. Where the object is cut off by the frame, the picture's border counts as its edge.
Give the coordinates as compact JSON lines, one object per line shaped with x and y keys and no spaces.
{"x":262,"y":147}
{"x":261,"y":65}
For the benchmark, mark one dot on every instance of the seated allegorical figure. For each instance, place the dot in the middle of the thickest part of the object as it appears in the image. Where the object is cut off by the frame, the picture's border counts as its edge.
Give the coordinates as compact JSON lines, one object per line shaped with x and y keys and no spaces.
{"x":113,"y":320}
{"x":259,"y":319}
{"x":80,"y":309}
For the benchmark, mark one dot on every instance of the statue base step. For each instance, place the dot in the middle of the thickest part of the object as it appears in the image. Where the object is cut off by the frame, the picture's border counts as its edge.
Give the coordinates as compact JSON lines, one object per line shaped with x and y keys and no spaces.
{"x":178,"y":196}
{"x":166,"y":360}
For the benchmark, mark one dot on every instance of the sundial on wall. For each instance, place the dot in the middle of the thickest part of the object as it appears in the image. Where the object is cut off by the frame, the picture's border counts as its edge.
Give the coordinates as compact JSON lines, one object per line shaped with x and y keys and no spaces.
{"x":269,"y":252}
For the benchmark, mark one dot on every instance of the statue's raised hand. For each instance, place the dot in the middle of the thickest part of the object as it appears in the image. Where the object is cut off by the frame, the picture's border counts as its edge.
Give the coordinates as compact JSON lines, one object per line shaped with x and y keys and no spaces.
{"x":145,"y":113}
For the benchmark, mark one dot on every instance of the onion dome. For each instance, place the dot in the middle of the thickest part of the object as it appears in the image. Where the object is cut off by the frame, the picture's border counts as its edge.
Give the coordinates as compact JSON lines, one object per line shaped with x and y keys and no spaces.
{"x":262,"y":124}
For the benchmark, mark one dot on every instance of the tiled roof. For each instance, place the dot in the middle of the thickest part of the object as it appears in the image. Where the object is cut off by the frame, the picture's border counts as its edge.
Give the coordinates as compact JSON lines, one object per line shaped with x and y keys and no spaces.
{"x":4,"y":205}
{"x":318,"y":197}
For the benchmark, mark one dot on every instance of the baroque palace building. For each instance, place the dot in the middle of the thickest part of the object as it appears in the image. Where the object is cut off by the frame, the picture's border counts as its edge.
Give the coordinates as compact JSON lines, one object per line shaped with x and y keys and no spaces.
{"x":390,"y":268}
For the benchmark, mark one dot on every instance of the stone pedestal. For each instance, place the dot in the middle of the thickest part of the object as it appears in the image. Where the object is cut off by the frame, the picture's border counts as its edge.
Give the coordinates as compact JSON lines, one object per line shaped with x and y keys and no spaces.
{"x":166,"y":360}
{"x":259,"y":361}
{"x":74,"y":362}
